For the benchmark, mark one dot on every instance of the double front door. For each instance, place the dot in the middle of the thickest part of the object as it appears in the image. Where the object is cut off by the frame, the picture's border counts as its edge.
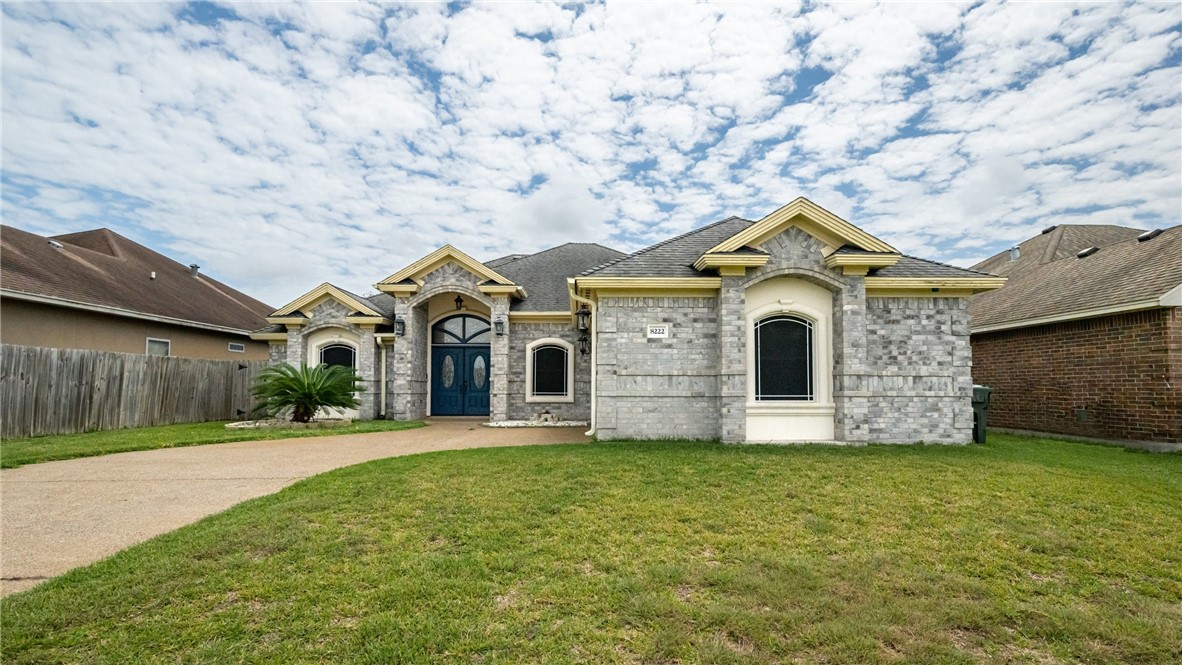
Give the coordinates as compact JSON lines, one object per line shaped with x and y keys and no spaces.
{"x":459,"y":381}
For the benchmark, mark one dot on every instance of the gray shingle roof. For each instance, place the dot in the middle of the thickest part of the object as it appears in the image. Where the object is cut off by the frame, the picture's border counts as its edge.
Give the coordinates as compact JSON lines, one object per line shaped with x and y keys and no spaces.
{"x":1059,"y":243}
{"x":1120,"y":273}
{"x":673,"y":257}
{"x":101,"y":267}
{"x":544,"y":274}
{"x":910,"y":266}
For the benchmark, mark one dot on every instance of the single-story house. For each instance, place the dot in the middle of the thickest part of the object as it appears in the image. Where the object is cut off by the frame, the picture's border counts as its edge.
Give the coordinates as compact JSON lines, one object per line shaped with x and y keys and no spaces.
{"x":1085,"y":339}
{"x":796,"y":327}
{"x":98,"y":290}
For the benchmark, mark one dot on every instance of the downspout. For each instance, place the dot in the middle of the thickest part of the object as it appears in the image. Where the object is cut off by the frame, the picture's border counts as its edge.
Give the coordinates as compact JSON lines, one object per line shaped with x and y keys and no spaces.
{"x":570,"y":285}
{"x":382,"y":344}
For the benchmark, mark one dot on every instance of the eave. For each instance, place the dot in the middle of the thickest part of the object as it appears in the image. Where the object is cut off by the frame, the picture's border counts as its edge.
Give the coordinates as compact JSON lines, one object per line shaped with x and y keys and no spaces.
{"x":269,"y":337}
{"x":117,"y":311}
{"x":972,"y":284}
{"x":665,"y":283}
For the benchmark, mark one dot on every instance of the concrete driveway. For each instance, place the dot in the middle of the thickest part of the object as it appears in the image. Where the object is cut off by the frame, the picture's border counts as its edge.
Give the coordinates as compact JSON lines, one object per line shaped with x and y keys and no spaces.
{"x":60,"y":515}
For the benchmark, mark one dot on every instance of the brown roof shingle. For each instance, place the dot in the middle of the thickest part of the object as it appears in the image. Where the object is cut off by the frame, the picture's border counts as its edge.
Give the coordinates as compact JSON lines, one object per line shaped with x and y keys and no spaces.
{"x":1120,"y":273}
{"x":101,"y":267}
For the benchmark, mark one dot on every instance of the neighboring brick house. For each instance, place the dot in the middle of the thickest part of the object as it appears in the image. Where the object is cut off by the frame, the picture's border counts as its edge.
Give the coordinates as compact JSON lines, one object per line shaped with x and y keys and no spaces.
{"x":1085,"y":339}
{"x":98,"y":290}
{"x":798,"y":327}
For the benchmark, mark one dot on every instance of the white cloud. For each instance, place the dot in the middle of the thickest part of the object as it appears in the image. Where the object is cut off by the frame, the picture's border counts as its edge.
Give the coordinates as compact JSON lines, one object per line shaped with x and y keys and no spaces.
{"x":350,"y":139}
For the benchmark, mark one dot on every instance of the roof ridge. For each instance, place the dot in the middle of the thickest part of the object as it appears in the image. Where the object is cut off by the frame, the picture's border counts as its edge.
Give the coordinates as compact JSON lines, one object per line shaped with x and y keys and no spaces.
{"x":1166,"y":229}
{"x":662,"y":244}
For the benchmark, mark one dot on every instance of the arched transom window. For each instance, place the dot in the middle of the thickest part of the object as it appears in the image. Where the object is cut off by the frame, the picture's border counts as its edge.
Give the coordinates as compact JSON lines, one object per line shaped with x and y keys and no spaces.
{"x":783,"y":358}
{"x":339,"y":354}
{"x":461,"y":329}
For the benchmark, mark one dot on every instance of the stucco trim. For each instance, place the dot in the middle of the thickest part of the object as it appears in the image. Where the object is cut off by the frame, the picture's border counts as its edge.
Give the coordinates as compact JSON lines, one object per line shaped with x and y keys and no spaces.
{"x":320,"y":292}
{"x":439,"y":257}
{"x":630,"y":283}
{"x":838,"y":230}
{"x":975,"y":284}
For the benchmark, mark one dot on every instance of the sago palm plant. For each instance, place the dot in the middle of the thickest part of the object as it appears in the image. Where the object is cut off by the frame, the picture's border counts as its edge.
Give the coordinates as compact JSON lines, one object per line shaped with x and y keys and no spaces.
{"x":304,"y":390}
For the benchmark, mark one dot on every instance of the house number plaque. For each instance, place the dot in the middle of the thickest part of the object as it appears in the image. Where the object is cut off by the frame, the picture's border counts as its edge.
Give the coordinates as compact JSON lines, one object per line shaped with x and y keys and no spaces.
{"x":658,"y":332}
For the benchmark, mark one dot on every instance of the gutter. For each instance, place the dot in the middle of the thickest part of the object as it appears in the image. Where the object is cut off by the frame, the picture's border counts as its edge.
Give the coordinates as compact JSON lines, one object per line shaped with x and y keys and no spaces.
{"x":570,"y":285}
{"x":117,"y":311}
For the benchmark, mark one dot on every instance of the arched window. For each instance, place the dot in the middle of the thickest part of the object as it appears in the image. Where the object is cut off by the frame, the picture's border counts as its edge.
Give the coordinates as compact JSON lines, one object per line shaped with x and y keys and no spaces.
{"x":549,"y":368}
{"x":783,"y":358}
{"x":461,"y":329}
{"x":339,"y":354}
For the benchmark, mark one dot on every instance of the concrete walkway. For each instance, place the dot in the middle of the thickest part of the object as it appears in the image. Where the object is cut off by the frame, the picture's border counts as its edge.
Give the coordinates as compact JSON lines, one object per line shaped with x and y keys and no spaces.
{"x":56,"y":516}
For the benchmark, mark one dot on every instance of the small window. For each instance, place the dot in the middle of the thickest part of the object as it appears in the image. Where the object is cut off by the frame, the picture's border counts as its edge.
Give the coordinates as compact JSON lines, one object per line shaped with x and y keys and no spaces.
{"x":549,"y":371}
{"x":783,"y":358}
{"x":237,"y":347}
{"x":158,"y":347}
{"x":339,"y":354}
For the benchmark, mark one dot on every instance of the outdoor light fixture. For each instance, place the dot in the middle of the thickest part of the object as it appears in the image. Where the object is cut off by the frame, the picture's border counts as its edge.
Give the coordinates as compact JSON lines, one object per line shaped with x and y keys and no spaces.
{"x":583,"y":316}
{"x":584,"y":344}
{"x":459,"y":302}
{"x":499,"y":326}
{"x":400,"y":326}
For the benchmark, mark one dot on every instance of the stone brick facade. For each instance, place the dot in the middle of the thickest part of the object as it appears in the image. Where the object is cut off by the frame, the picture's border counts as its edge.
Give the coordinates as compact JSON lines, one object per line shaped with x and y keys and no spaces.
{"x":916,"y":383}
{"x":1115,"y":377}
{"x":658,"y":388}
{"x":901,"y":366}
{"x":521,"y":335}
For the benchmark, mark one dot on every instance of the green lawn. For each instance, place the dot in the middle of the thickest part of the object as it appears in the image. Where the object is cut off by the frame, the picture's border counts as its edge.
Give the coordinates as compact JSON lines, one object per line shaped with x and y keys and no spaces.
{"x":18,"y":452}
{"x":1021,"y":551}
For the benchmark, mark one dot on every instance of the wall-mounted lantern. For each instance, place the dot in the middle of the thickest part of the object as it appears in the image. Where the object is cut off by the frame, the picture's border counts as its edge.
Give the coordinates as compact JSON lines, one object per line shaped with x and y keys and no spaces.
{"x":583,"y":316}
{"x":499,"y":327}
{"x":459,"y":302}
{"x":584,"y":344}
{"x":400,"y":326}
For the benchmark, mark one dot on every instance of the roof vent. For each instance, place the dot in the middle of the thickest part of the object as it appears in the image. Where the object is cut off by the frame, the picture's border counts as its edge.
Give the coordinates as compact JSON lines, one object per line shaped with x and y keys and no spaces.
{"x":1149,"y":235}
{"x":1015,"y":252}
{"x":193,"y":268}
{"x":1087,"y":252}
{"x":1048,"y":230}
{"x":56,"y":245}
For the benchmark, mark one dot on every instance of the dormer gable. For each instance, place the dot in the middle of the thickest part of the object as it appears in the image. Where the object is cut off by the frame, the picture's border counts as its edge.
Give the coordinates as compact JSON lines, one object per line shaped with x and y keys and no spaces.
{"x":408,"y":280}
{"x":302,"y":309}
{"x":848,"y":248}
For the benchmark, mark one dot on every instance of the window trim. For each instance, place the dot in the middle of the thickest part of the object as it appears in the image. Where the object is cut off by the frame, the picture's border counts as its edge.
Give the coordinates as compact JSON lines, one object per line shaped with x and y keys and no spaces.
{"x":241,"y":347}
{"x":810,"y":359}
{"x":569,"y":397}
{"x":148,"y":345}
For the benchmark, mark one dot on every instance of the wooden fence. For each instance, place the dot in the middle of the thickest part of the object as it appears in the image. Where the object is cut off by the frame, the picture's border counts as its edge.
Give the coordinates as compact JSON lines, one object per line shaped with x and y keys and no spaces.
{"x":61,"y":391}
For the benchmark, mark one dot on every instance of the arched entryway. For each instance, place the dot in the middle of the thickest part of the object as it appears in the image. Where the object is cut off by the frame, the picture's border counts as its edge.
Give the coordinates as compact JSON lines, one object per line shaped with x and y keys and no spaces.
{"x":460,"y":366}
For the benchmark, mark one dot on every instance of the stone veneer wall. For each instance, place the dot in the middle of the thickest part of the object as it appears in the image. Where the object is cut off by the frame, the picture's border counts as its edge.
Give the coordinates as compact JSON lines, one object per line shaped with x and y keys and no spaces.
{"x":277,"y":353}
{"x":916,"y":384}
{"x":522,"y":334}
{"x":657,"y":388}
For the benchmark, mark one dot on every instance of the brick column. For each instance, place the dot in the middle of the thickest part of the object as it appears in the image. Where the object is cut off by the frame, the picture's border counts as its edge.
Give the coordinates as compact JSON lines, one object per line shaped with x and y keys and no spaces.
{"x":295,"y":346}
{"x":732,"y":360}
{"x":850,"y":338}
{"x":499,"y":362}
{"x":367,"y":368}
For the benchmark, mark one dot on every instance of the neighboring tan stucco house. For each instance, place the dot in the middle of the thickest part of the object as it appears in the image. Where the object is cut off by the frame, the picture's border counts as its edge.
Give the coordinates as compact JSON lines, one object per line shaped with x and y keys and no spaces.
{"x":1086,"y":337}
{"x":797,"y":327}
{"x":98,"y":290}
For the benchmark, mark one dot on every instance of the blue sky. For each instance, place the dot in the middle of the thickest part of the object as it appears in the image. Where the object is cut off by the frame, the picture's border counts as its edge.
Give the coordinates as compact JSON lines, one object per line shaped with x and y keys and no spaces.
{"x":283,"y":145}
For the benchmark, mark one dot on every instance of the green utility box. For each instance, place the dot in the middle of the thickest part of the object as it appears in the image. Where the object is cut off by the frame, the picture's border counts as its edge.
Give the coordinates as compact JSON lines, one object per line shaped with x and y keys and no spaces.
{"x":980,"y":409}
